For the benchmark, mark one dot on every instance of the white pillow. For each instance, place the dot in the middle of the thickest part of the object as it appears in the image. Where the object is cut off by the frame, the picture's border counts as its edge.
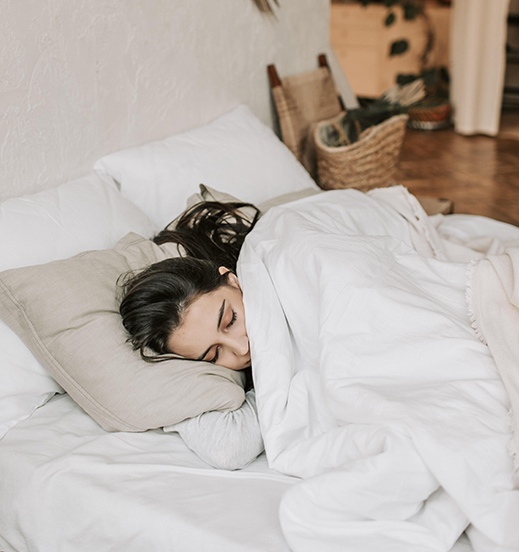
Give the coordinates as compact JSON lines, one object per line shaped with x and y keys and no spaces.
{"x":87,"y":213}
{"x":236,"y":154}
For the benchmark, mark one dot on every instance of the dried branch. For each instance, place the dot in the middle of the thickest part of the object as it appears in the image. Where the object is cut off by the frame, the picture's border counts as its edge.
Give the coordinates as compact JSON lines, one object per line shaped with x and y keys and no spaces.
{"x":265,"y":6}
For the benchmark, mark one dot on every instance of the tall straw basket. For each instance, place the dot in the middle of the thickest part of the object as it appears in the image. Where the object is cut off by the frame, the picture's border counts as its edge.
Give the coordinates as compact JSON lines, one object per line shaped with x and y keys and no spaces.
{"x":368,"y":163}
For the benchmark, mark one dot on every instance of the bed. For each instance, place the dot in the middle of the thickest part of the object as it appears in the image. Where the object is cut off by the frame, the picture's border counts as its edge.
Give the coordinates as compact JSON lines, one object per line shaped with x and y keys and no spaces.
{"x":69,"y":484}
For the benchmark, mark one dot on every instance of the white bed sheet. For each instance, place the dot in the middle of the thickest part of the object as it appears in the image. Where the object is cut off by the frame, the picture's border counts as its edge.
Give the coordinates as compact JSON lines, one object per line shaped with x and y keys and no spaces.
{"x":463,"y":228}
{"x":70,"y":486}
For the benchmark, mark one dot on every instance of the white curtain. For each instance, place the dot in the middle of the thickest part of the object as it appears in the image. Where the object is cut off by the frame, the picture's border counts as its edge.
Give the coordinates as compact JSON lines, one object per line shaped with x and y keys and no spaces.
{"x":478,"y":58}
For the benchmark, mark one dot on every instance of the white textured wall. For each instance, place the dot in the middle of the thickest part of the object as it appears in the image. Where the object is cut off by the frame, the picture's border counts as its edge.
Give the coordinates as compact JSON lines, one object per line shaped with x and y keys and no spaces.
{"x":81,"y":78}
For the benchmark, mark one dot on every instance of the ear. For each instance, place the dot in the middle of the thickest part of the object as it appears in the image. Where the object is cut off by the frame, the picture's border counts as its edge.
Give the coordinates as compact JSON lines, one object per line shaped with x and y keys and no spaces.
{"x":232,"y":279}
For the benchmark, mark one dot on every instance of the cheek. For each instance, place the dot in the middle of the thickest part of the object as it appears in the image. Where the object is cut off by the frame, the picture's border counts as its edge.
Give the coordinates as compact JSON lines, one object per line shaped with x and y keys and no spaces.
{"x":238,"y":305}
{"x":170,"y":343}
{"x":179,"y":344}
{"x":171,"y":346}
{"x":242,"y":318}
{"x":229,"y":362}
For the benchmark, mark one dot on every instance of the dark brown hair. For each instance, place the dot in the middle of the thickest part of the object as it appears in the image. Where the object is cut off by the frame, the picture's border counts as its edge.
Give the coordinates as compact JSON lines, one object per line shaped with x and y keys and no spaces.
{"x":209,"y":235}
{"x":212,"y":230}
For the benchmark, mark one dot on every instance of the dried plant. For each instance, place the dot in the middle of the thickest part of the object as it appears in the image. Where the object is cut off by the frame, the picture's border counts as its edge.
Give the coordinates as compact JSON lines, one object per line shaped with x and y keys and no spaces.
{"x":266,"y":5}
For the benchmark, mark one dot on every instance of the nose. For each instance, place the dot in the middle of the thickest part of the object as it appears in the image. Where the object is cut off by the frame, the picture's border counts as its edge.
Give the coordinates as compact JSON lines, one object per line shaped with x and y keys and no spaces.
{"x":239,"y":344}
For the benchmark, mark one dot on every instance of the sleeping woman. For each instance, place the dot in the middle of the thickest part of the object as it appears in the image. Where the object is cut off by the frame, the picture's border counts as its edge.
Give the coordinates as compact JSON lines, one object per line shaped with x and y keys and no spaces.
{"x":375,"y":383}
{"x":192,"y":307}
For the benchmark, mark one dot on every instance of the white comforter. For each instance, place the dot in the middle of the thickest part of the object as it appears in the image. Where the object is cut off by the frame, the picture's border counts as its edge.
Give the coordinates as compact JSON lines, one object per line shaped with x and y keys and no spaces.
{"x":371,"y":384}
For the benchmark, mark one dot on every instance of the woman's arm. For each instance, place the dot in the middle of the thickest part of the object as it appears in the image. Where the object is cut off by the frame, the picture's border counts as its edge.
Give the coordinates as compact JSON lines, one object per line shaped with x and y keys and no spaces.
{"x":225,"y":440}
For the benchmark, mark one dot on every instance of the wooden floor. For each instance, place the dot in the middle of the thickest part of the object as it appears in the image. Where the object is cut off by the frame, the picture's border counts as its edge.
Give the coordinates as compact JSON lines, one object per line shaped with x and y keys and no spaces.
{"x":480,"y":174}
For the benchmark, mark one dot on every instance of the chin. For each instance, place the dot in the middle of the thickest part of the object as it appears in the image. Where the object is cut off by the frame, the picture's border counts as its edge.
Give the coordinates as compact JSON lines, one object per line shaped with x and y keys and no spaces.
{"x":242,"y":368}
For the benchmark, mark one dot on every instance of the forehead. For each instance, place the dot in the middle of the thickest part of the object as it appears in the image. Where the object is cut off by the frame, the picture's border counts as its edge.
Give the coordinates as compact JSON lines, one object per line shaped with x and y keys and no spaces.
{"x":199,"y":327}
{"x":203,"y":310}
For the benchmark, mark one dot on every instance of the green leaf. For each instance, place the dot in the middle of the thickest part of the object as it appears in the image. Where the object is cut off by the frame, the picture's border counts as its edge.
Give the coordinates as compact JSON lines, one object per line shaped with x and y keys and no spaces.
{"x":410,"y":11}
{"x":390,"y":19}
{"x":399,"y":47}
{"x":429,"y":77}
{"x":444,"y":75}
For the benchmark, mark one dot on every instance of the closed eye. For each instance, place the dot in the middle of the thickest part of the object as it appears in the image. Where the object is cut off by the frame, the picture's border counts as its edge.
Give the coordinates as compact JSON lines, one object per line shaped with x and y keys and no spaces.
{"x":215,"y":358}
{"x":217,"y":353}
{"x":233,"y":320}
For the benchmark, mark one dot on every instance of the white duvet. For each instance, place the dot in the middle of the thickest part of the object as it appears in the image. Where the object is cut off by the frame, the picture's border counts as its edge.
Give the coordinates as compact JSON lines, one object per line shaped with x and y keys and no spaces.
{"x":371,"y":384}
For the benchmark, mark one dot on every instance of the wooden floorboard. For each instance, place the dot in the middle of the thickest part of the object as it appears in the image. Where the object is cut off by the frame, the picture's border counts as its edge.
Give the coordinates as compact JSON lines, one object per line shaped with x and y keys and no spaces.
{"x":480,"y":174}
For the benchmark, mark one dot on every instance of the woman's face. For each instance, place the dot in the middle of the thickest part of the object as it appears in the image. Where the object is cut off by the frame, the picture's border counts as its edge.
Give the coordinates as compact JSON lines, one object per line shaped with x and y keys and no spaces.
{"x":213,"y":328}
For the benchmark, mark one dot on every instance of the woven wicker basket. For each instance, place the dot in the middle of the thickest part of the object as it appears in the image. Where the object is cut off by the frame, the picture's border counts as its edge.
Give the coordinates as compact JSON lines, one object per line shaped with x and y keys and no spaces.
{"x":368,"y":163}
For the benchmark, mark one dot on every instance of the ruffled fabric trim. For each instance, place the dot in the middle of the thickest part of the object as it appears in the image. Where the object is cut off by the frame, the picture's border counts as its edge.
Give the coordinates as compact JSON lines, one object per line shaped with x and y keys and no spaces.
{"x":471,"y":269}
{"x":512,"y":446}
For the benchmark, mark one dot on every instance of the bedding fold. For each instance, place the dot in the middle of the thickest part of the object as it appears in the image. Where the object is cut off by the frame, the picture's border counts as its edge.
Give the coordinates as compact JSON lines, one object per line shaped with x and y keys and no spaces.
{"x":370,"y":382}
{"x":493,"y":302}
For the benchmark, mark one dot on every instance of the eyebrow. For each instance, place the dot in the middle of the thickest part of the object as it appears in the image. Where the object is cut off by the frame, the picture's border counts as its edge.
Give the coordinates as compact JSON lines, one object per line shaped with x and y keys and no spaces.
{"x":220,"y":316}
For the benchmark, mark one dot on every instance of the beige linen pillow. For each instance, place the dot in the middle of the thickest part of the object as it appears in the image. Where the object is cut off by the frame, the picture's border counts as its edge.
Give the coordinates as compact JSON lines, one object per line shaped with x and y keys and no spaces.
{"x":431,"y":205}
{"x":207,"y":193}
{"x":66,"y":312}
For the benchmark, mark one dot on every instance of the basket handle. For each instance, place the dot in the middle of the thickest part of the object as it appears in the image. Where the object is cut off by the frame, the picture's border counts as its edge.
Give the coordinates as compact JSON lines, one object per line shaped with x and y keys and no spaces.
{"x":341,"y":133}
